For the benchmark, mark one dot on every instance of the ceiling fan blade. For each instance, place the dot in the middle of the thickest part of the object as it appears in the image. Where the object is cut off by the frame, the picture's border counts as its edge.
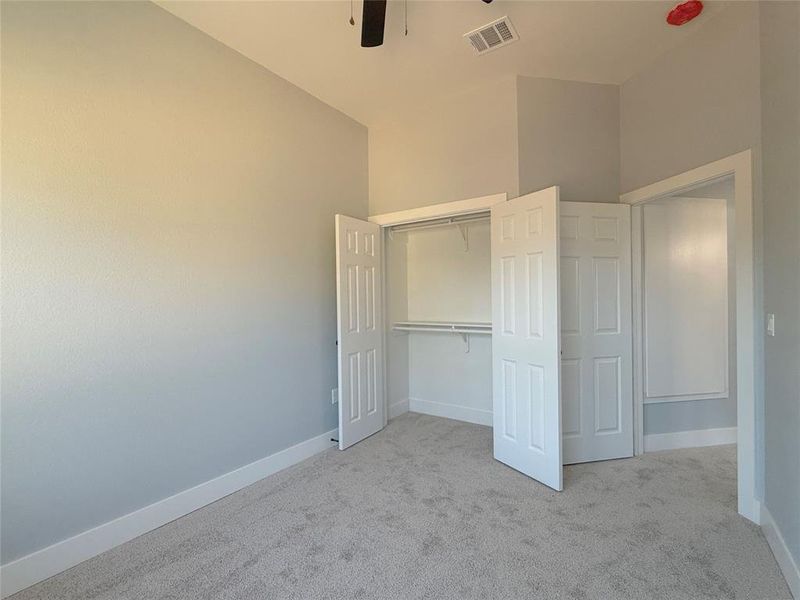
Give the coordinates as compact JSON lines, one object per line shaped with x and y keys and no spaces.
{"x":372,"y":23}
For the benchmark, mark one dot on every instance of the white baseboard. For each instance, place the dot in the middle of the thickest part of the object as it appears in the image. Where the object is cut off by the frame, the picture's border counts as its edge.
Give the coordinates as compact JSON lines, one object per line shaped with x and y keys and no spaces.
{"x":45,"y":563}
{"x":689,"y":439}
{"x":450,"y":411}
{"x":752,"y":511}
{"x":398,"y":408}
{"x":784,"y":558}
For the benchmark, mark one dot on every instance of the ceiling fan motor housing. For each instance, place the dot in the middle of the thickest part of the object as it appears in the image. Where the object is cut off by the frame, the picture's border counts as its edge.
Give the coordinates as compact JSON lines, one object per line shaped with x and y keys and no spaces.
{"x":372,"y":23}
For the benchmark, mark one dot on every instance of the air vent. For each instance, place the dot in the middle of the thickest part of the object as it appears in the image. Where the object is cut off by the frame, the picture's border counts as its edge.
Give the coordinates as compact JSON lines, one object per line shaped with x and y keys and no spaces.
{"x":492,"y":36}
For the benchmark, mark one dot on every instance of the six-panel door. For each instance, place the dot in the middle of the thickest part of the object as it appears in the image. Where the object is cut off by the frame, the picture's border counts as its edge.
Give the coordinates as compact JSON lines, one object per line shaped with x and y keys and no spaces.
{"x":596,"y":342}
{"x":525,"y":336}
{"x":359,"y":303}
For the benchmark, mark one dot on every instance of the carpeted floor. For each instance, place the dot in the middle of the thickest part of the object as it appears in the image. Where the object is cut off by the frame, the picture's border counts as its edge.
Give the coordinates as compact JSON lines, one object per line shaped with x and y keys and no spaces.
{"x":421,"y":510}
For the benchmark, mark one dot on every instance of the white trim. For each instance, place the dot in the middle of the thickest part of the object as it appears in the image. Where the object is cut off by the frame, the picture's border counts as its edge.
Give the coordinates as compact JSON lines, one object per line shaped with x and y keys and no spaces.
{"x":398,"y":408}
{"x":736,"y":164}
{"x":438,"y":211}
{"x":741,"y":167}
{"x":784,"y":558}
{"x":451,"y":411}
{"x":637,"y":247}
{"x":384,"y":330}
{"x":685,"y":398}
{"x":45,"y":563}
{"x":696,"y":438}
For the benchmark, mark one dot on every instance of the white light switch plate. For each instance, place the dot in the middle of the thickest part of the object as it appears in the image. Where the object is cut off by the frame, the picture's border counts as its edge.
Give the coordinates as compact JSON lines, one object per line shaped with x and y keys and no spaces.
{"x":770,"y":324}
{"x":334,"y":395}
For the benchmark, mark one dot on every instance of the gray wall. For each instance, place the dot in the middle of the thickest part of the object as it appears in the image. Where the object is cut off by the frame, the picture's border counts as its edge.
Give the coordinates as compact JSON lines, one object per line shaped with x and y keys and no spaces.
{"x":516,"y":135}
{"x":568,"y":135}
{"x":669,"y":417}
{"x":697,"y":103}
{"x":168,"y":271}
{"x":458,"y":147}
{"x":780,"y":89}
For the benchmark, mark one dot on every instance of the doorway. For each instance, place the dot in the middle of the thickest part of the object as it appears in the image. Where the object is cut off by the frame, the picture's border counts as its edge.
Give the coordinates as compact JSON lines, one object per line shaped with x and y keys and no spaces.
{"x":686,"y":304}
{"x":738,"y":169}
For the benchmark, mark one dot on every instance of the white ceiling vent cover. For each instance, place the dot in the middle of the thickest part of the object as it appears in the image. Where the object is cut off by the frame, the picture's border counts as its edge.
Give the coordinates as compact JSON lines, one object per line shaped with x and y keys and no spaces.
{"x":492,"y":36}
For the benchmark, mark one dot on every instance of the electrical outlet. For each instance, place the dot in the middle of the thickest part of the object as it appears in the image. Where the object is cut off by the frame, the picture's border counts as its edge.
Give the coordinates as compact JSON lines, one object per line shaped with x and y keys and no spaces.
{"x":770,"y":324}
{"x":335,"y":396}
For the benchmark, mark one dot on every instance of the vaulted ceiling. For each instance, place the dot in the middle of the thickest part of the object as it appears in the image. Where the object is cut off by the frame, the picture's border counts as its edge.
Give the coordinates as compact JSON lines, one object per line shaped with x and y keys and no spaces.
{"x":311,"y":44}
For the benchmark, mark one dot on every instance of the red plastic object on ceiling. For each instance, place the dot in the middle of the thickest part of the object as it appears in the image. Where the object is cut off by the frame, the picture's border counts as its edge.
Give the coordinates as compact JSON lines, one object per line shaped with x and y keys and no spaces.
{"x":684,"y":12}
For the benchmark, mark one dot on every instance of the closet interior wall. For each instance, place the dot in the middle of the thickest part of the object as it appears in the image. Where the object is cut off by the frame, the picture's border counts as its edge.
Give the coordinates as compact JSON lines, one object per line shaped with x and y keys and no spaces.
{"x":439,"y":274}
{"x":396,"y":345}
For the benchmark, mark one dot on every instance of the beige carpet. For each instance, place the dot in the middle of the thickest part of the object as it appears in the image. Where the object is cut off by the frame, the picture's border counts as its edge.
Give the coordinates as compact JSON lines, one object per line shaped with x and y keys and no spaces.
{"x":421,"y":510}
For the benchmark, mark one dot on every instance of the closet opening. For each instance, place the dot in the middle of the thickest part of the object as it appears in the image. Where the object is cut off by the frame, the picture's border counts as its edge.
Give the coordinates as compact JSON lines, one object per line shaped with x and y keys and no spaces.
{"x":509,"y":313}
{"x":438,"y":317}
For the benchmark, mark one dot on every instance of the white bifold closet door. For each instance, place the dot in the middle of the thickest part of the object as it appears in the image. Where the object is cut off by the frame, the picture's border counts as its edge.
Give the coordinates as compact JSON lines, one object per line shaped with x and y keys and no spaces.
{"x":596,"y":342}
{"x":525,"y":335}
{"x":359,"y":306}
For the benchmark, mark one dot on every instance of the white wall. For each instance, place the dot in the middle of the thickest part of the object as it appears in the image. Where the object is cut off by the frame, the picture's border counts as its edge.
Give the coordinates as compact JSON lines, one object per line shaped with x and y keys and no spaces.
{"x":446,"y":381}
{"x":168,"y":271}
{"x":568,"y":133}
{"x":689,"y":375}
{"x":780,"y":89}
{"x":445,"y":281}
{"x":460,"y":147}
{"x":685,"y":298}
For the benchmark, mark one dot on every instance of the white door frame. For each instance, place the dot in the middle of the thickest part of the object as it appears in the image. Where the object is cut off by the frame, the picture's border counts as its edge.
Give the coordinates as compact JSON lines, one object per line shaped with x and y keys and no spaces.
{"x":741,"y":167}
{"x":434,"y":212}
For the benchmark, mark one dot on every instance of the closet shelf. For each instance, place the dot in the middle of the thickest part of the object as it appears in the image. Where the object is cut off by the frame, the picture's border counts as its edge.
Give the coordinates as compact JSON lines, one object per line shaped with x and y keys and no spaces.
{"x":444,"y":326}
{"x":462,"y":222}
{"x":444,"y":222}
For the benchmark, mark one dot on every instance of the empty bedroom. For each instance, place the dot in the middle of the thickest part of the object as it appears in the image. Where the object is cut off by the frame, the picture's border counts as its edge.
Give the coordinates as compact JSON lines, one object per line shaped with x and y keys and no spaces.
{"x":399,"y":299}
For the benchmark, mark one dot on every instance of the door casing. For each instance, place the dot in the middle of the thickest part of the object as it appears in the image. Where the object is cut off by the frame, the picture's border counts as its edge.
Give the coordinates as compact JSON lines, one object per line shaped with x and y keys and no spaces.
{"x":749,"y":326}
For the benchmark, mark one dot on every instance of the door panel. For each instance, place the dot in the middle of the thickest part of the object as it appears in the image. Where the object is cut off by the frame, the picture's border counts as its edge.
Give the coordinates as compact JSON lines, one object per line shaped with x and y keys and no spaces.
{"x":359,"y":316}
{"x":596,"y":342}
{"x":525,"y":336}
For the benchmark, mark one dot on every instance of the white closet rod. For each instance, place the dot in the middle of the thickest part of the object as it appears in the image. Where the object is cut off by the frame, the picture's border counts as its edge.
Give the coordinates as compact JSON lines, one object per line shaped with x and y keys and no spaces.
{"x":462,"y":329}
{"x":451,"y":329}
{"x":441,"y":222}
